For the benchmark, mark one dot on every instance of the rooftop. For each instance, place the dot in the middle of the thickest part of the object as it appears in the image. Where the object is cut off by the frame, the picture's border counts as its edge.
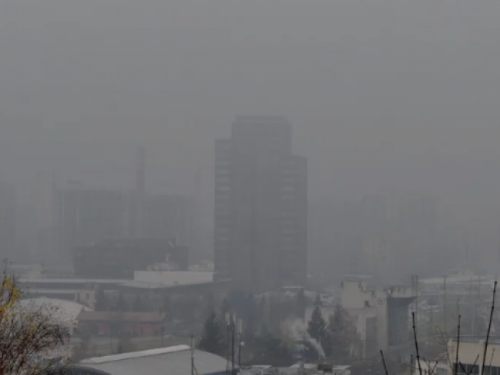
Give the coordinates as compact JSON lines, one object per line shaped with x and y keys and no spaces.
{"x":175,"y":360}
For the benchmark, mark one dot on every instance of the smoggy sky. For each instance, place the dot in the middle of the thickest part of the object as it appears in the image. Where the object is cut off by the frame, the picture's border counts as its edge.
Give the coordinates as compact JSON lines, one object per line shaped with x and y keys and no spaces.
{"x":382,"y":94}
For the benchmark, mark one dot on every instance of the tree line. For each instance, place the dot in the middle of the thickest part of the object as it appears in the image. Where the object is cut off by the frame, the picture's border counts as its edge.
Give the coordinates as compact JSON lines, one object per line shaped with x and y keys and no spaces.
{"x":281,"y":344}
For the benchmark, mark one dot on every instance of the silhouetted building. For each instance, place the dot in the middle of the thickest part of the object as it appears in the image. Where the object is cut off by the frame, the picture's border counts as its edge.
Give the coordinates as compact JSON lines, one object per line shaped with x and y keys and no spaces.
{"x":169,"y":216}
{"x":260,"y":234}
{"x":84,"y":216}
{"x":119,"y":258}
{"x":7,"y":221}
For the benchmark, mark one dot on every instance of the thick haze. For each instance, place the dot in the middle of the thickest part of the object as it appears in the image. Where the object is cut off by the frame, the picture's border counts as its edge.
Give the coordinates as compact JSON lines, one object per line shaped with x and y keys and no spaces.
{"x":382,"y":95}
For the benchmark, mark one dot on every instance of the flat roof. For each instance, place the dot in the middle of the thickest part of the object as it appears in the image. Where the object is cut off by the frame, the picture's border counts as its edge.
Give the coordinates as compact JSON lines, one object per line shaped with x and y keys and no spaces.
{"x":174,"y":360}
{"x":140,"y":354}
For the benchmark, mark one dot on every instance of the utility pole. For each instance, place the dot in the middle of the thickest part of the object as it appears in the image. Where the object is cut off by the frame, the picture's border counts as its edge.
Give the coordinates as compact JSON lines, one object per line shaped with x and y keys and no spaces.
{"x":232,"y":347}
{"x":231,"y":328}
{"x":240,"y":342}
{"x":192,"y":356}
{"x":415,"y":285}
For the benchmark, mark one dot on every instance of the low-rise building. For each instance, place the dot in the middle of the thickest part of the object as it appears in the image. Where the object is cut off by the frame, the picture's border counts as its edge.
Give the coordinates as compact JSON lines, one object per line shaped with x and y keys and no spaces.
{"x":471,"y":352}
{"x":381,"y":315}
{"x":119,"y":258}
{"x":105,"y":323}
{"x":82,"y":291}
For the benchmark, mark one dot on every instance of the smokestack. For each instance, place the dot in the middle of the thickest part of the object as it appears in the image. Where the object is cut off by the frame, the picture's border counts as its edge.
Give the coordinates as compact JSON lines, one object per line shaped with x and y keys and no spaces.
{"x":140,"y":171}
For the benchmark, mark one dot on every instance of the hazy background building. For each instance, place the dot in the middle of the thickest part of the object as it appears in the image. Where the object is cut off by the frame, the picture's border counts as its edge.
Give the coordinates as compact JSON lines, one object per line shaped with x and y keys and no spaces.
{"x":169,"y":216}
{"x":86,"y":215}
{"x":260,"y":226}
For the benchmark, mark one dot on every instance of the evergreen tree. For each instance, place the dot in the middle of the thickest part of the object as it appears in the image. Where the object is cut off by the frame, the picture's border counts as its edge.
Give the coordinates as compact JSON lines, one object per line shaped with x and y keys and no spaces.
{"x":213,"y":337}
{"x":270,"y":349}
{"x":317,"y":328}
{"x":343,"y":335}
{"x":318,"y":302}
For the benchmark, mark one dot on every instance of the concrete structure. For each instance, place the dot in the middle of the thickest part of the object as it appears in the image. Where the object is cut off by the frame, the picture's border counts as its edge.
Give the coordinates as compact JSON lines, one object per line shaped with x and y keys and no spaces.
{"x":470,"y":355}
{"x":84,"y":216}
{"x":151,"y":286}
{"x":105,"y":323}
{"x":381,"y":316}
{"x":169,"y":216}
{"x":82,"y":291}
{"x":260,"y":227}
{"x":433,"y":368}
{"x":173,"y":278}
{"x":26,"y":270}
{"x":174,"y":360}
{"x":120,"y":258}
{"x":186,"y":301}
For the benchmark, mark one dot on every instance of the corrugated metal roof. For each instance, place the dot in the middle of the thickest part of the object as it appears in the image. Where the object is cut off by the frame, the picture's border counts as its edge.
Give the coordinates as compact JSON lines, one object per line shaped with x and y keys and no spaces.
{"x":175,"y":360}
{"x":140,"y":354}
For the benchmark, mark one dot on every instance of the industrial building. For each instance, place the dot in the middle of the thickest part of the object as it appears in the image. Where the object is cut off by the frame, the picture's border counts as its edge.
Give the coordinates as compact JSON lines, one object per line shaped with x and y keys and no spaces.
{"x":104,"y":323}
{"x":82,"y":291}
{"x":119,"y":258}
{"x":85,"y":215}
{"x":260,"y":226}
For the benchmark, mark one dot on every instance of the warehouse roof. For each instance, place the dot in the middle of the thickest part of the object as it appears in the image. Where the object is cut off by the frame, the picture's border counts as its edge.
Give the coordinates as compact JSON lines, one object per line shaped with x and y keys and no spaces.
{"x":174,"y":360}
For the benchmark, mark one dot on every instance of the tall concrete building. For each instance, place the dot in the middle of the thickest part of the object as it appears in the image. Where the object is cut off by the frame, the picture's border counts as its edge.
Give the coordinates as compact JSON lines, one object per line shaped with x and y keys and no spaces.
{"x":260,"y":226}
{"x":169,"y":216}
{"x":85,"y":215}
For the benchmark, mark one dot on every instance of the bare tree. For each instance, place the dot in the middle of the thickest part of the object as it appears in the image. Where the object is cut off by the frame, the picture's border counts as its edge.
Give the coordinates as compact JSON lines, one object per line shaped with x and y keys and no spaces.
{"x":31,"y":336}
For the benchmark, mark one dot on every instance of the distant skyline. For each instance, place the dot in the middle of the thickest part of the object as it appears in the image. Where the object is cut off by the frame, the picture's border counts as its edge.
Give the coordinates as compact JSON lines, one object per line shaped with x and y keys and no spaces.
{"x":383,"y":96}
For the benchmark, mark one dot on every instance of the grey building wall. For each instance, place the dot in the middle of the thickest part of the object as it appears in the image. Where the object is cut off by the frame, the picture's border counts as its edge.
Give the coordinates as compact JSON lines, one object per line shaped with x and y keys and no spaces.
{"x":260,"y":206}
{"x":84,"y":216}
{"x":169,"y":216}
